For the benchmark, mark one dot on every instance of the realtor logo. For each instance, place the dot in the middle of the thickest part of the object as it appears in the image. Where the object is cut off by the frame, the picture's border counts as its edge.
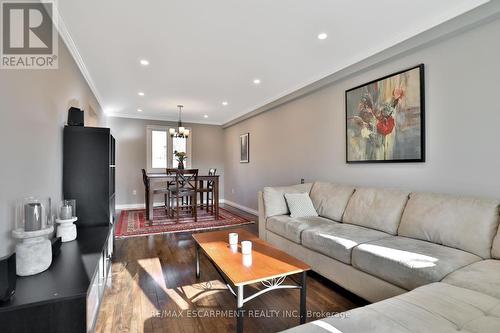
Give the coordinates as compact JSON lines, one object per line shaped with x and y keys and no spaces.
{"x":29,"y":35}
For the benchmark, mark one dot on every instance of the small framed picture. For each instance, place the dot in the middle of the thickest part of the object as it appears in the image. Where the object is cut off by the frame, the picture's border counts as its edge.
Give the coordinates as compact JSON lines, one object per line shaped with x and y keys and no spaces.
{"x":245,"y":148}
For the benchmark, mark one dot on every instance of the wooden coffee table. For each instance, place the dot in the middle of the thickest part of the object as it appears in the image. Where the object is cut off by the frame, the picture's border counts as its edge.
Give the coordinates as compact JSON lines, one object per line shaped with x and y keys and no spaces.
{"x":266,"y":265}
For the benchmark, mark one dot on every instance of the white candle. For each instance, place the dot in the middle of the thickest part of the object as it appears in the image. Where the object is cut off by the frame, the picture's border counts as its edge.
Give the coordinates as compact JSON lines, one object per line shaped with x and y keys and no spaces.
{"x":233,"y":238}
{"x":234,"y":248}
{"x":246,"y":247}
{"x":66,"y":212}
{"x":247,"y":260}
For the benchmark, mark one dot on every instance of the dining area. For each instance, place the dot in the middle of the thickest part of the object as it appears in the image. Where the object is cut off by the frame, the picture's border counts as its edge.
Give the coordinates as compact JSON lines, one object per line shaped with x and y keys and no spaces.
{"x":171,"y":191}
{"x":184,"y":193}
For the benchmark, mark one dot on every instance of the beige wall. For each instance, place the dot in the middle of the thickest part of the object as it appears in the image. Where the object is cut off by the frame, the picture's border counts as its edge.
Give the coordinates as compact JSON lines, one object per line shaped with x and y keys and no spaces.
{"x":33,"y":111}
{"x":130,"y":134}
{"x":306,"y":137}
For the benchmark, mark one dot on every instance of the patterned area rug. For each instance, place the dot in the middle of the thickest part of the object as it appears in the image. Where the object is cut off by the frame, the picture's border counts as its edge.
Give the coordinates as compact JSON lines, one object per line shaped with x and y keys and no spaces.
{"x":134,"y":223}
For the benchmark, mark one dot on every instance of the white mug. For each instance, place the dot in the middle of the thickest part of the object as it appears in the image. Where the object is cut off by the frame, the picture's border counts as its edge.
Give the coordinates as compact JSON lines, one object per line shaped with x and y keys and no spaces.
{"x":246,"y":247}
{"x":233,"y":238}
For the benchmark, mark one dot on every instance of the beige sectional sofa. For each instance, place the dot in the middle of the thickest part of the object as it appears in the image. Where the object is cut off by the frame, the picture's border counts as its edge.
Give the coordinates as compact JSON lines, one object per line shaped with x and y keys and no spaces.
{"x":428,"y":262}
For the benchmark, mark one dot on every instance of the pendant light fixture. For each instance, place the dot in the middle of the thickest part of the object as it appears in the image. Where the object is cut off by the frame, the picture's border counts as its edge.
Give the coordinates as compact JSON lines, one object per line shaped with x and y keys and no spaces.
{"x":181,"y":131}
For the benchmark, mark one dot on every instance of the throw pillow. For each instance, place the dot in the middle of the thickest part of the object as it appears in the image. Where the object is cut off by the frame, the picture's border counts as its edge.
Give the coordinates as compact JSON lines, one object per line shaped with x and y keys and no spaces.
{"x":300,"y":205}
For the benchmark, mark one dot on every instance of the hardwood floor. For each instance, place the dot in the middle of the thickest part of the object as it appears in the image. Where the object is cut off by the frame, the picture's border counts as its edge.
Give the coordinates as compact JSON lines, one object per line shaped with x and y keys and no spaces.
{"x":154,"y":289}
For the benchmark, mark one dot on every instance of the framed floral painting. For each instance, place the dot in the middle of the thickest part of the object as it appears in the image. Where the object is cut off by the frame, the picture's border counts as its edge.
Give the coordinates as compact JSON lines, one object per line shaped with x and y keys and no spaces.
{"x":385,"y":119}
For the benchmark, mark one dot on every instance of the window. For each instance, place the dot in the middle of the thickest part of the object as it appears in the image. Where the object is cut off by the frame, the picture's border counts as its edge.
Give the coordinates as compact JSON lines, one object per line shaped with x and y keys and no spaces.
{"x":158,"y":149}
{"x":161,"y":147}
{"x":180,"y":145}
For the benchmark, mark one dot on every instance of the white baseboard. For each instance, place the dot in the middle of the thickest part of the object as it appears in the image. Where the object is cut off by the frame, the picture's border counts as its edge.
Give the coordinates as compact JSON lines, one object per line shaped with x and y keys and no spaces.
{"x":130,"y":206}
{"x":243,"y":208}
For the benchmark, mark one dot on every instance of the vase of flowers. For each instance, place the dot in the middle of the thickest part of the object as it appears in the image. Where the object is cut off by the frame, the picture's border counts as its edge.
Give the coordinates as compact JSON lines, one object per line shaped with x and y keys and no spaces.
{"x":180,"y":156}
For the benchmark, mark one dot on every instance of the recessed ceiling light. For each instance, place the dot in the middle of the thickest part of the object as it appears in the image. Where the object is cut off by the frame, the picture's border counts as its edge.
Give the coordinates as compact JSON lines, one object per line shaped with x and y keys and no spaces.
{"x":140,"y":93}
{"x":205,"y":116}
{"x":144,"y":62}
{"x":139,"y":110}
{"x":256,"y":81}
{"x":322,"y":36}
{"x":225,"y":103}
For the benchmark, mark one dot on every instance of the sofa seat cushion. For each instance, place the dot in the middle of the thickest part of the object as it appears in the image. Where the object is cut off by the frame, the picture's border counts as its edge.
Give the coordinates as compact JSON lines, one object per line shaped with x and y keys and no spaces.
{"x":434,"y":308}
{"x":337,"y":240}
{"x":482,"y":276}
{"x":376,"y":208}
{"x":409,"y":263}
{"x":291,"y":228}
{"x":468,"y":224}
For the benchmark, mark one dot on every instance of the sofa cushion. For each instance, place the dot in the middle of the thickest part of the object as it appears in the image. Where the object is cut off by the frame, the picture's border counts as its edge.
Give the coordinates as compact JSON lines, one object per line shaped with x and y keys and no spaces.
{"x":274,"y":198}
{"x":337,"y":240}
{"x":463,"y":223}
{"x":291,"y":228}
{"x":300,"y":205}
{"x":435,"y":308}
{"x":375,"y":208}
{"x":482,"y":276}
{"x":330,"y":200}
{"x":409,"y":263}
{"x":495,"y":250}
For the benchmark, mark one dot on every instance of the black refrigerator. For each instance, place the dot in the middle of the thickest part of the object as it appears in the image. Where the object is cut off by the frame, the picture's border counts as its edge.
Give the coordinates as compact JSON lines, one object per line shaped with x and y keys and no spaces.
{"x":89,"y":174}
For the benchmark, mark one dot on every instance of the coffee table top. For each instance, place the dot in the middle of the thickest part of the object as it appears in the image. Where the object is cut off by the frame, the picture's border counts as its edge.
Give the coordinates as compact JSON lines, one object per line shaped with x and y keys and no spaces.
{"x":266,"y":262}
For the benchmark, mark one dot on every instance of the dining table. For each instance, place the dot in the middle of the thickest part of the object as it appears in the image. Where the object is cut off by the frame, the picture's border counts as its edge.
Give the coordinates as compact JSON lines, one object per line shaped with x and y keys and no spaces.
{"x":156,"y":180}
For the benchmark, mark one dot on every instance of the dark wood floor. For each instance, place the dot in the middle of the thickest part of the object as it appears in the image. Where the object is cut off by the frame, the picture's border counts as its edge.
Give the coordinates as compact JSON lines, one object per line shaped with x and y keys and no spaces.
{"x":154,"y":289}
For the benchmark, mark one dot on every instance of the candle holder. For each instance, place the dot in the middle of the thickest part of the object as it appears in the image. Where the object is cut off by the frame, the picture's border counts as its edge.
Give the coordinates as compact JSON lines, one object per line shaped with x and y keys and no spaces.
{"x":66,"y":228}
{"x":33,"y":227}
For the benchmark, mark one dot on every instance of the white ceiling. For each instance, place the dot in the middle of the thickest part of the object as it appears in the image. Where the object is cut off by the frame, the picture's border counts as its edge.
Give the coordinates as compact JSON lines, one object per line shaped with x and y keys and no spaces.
{"x":204,"y":52}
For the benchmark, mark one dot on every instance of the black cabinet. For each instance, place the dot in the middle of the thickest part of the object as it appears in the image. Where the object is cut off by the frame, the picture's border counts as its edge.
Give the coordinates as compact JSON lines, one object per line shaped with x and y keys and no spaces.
{"x":89,"y":174}
{"x":66,"y":297}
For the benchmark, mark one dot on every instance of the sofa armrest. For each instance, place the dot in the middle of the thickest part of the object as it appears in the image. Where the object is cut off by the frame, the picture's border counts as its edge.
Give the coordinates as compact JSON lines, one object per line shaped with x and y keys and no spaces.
{"x":262,"y":216}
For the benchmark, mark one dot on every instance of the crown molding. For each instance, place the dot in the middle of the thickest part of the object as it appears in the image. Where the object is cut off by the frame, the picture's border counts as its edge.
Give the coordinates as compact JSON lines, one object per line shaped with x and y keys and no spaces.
{"x":480,"y":15}
{"x":168,"y":119}
{"x":75,"y":53}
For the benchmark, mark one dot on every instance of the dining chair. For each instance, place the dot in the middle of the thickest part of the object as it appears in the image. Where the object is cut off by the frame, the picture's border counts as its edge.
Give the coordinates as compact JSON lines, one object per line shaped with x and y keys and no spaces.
{"x":163,"y":191}
{"x":170,"y":184}
{"x":209,"y":190}
{"x":185,"y":186}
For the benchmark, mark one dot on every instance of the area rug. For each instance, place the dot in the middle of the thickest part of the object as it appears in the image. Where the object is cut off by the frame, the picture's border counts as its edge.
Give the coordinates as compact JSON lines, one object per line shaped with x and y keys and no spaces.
{"x":134,"y":223}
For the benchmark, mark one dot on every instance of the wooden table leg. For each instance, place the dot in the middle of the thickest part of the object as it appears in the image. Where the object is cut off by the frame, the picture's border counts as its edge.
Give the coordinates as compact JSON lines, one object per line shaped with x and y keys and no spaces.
{"x":146,"y":197}
{"x":216,"y":198}
{"x":150,"y":202}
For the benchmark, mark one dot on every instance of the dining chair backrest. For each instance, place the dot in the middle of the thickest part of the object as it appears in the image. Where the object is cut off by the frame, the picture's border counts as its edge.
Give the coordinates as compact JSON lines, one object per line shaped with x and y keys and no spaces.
{"x":171,"y":172}
{"x":211,"y":172}
{"x":186,"y":179}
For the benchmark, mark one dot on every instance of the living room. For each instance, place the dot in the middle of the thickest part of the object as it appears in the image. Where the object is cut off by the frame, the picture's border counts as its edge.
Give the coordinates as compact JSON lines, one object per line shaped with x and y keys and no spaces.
{"x":307,"y":166}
